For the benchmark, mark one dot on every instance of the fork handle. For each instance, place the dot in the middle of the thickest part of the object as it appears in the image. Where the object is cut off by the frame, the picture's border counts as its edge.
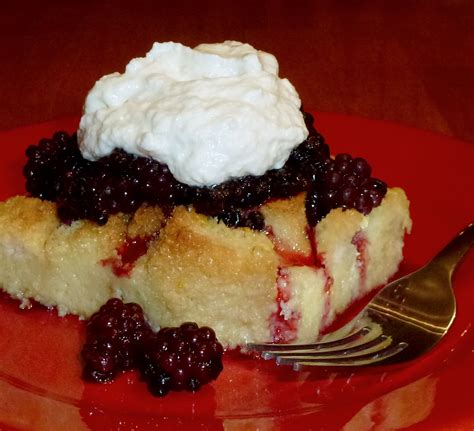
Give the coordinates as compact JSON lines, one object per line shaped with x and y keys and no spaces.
{"x":453,"y":252}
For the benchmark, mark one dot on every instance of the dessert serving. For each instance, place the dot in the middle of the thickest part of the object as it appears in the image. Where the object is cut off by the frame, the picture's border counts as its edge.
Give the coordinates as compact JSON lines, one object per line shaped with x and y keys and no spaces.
{"x":197,"y":189}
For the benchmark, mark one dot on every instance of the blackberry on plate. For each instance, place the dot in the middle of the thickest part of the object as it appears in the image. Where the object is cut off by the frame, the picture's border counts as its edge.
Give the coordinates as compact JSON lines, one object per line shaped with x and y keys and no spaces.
{"x":114,"y":340}
{"x":183,"y":358}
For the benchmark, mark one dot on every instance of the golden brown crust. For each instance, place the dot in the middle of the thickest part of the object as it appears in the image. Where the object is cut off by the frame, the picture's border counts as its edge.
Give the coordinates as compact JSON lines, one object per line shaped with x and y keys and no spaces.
{"x":28,"y":217}
{"x":25,"y":226}
{"x":56,"y":264}
{"x":287,"y":220}
{"x":200,"y":270}
{"x":76,"y":258}
{"x":147,"y":220}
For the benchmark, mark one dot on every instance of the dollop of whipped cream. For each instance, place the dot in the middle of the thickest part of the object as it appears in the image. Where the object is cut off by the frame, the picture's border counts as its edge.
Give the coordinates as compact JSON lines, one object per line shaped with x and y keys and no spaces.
{"x":211,"y":113}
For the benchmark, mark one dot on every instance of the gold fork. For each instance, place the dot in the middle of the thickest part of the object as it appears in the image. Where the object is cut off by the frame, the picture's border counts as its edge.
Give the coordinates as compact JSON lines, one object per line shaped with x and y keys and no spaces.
{"x":404,"y":320}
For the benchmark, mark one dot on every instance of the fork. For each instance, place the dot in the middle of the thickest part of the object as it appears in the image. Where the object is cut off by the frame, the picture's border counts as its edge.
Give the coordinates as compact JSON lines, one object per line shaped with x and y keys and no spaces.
{"x":403,"y":321}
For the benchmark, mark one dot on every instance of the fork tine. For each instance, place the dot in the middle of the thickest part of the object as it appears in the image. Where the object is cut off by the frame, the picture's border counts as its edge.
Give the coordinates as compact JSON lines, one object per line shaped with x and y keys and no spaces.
{"x":351,"y":361}
{"x":370,"y":347}
{"x":351,"y":338}
{"x":360,"y":340}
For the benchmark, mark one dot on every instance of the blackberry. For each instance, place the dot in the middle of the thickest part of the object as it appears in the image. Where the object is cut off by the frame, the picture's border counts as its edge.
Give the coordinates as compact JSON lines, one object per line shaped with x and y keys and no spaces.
{"x":238,"y":218}
{"x":114,"y":340}
{"x":183,"y":358}
{"x":47,"y":163}
{"x":153,"y":180}
{"x":315,"y":207}
{"x":234,"y":195}
{"x":345,"y":182}
{"x":312,"y":152}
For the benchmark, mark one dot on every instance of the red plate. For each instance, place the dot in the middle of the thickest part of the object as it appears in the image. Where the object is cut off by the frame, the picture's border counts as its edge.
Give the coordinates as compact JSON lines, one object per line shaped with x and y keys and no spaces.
{"x":40,"y":384}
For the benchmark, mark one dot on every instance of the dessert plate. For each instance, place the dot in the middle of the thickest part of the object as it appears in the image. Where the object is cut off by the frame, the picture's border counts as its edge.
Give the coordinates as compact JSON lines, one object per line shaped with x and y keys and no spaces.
{"x":40,"y":384}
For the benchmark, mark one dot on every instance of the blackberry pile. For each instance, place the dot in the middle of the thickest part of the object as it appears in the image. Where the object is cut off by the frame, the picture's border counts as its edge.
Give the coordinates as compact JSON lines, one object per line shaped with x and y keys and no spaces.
{"x":121,"y":182}
{"x":118,"y":338}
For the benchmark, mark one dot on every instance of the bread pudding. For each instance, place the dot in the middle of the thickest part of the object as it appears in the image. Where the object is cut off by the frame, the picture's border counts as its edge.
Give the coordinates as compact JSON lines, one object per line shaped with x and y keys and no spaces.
{"x":258,"y":251}
{"x":285,"y":283}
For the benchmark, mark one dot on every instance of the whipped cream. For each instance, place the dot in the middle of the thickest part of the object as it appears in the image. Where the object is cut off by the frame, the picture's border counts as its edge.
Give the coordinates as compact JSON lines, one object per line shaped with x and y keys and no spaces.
{"x":210,"y":113}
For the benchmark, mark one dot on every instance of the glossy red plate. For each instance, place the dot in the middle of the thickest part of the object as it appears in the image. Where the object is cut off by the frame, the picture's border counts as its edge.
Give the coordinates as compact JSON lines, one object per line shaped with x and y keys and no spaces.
{"x":40,"y":384}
